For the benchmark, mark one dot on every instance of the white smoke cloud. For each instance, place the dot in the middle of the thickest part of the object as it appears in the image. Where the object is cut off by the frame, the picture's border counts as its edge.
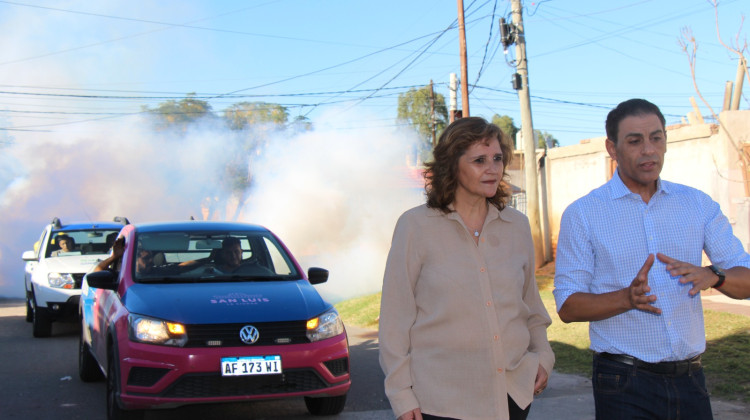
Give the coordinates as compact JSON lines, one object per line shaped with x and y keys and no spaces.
{"x":332,"y":195}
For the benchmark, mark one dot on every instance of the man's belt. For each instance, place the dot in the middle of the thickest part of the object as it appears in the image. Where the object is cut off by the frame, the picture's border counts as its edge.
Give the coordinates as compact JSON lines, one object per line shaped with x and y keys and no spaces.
{"x":662,"y":368}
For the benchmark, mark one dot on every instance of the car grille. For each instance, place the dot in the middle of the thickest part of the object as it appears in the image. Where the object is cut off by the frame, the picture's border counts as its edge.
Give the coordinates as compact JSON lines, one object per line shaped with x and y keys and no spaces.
{"x":214,"y":385}
{"x":143,"y":376}
{"x":78,"y":277}
{"x":228,"y":335}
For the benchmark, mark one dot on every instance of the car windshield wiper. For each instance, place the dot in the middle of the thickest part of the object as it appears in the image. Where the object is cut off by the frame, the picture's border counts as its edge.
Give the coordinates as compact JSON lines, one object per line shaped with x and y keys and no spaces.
{"x":161,"y":279}
{"x":233,"y":278}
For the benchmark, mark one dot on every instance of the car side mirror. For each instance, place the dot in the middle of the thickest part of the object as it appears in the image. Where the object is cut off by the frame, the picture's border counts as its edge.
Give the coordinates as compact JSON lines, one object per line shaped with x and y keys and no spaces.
{"x":104,"y":279}
{"x":317,"y":275}
{"x":29,"y":256}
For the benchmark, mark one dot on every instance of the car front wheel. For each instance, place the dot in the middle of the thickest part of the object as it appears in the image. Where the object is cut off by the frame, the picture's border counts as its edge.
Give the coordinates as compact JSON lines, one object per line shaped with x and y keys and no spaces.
{"x":114,"y":412}
{"x":41,"y":322}
{"x":325,"y":406}
{"x":88,"y":369}
{"x":29,"y":307}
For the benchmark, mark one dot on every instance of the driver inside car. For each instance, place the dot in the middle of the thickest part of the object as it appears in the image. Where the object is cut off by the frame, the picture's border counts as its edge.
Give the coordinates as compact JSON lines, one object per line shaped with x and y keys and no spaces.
{"x":230,"y":255}
{"x":145,"y":262}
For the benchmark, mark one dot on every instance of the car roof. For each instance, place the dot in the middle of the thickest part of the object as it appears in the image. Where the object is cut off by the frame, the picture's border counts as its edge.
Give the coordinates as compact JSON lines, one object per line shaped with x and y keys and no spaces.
{"x":89,"y":226}
{"x":197,"y":226}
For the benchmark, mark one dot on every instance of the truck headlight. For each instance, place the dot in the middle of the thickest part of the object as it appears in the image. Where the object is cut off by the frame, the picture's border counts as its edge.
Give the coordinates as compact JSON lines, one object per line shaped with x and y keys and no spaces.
{"x":325,"y":326}
{"x":144,"y":329}
{"x":61,"y":280}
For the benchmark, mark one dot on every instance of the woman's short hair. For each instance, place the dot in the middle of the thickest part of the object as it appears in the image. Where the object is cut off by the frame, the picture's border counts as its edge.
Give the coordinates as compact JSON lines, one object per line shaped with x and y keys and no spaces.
{"x":442,"y":172}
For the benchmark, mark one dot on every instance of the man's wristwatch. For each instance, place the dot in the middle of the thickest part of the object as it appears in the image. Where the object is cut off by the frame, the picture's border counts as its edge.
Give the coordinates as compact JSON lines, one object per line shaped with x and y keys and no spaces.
{"x":720,"y":274}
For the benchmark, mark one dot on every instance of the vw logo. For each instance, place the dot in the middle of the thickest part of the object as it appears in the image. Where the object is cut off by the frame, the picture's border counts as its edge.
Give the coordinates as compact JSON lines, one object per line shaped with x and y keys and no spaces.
{"x":249,"y":334}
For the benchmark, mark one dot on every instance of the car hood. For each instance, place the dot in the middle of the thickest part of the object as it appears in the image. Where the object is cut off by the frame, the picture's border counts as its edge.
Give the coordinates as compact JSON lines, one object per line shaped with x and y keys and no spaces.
{"x":219,"y":303}
{"x":72,"y":264}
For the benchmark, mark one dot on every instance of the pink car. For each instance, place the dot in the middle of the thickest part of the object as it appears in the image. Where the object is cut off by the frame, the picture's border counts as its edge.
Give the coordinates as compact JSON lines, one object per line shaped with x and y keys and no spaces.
{"x":204,"y":312}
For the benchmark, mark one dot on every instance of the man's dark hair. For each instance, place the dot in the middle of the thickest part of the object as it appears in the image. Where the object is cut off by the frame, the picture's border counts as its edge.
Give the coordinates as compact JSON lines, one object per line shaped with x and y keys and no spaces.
{"x":66,"y":238}
{"x":230,"y":242}
{"x":629,"y":108}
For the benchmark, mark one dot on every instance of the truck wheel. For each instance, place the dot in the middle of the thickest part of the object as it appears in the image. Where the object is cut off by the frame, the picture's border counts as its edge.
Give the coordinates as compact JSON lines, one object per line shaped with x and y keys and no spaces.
{"x":41,"y":322}
{"x":29,"y":307}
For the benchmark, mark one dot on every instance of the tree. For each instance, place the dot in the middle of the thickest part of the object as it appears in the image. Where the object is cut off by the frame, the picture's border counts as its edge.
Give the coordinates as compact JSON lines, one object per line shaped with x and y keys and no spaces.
{"x":545,"y":139}
{"x":301,"y":123}
{"x":507,"y":126}
{"x":181,"y":113}
{"x":415,"y":107}
{"x":243,"y":114}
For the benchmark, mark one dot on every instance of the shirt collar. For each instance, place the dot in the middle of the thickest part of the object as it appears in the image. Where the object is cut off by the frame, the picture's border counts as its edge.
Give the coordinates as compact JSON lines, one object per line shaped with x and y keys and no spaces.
{"x":618,"y":189}
{"x":492,"y":214}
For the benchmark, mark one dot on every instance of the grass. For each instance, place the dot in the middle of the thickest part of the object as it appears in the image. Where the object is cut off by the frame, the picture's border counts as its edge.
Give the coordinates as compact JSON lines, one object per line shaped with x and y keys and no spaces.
{"x":726,"y":360}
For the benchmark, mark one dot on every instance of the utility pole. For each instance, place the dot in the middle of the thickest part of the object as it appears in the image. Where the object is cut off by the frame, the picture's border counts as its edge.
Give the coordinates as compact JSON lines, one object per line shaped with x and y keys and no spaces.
{"x":453,"y":105}
{"x":433,"y":120}
{"x":741,"y":69}
{"x":527,"y":130}
{"x":464,"y":69}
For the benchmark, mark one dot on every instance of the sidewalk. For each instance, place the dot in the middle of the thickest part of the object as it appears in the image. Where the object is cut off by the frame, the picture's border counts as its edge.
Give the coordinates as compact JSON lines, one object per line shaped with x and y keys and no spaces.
{"x":716,"y":301}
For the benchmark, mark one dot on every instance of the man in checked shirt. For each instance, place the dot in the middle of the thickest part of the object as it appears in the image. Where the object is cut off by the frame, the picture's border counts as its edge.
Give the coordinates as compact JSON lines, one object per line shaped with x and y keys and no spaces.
{"x":629,"y":261}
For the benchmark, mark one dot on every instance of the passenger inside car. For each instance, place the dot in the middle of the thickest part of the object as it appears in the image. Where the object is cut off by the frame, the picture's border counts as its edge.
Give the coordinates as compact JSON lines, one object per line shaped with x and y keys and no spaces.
{"x":66,"y":244}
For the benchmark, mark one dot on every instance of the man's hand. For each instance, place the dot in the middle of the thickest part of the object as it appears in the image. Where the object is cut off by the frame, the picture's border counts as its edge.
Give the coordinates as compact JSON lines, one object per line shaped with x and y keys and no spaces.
{"x":701,"y":277}
{"x":118,"y":248}
{"x":638,"y":289}
{"x":541,"y":380}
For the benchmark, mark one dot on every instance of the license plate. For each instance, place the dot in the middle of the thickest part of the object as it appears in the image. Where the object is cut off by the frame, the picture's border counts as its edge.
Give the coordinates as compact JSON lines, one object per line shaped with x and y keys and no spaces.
{"x":252,"y":365}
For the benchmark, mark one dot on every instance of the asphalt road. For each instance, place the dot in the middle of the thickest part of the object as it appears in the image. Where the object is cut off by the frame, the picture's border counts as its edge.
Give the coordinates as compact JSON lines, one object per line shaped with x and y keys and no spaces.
{"x":39,"y":380}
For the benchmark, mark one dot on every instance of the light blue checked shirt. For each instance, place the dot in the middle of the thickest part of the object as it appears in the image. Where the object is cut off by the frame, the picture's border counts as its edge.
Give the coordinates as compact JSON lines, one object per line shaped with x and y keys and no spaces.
{"x":606,"y":236}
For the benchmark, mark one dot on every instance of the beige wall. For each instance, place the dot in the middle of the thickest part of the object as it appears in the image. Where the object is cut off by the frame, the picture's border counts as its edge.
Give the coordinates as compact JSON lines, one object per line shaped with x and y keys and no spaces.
{"x":702,"y":156}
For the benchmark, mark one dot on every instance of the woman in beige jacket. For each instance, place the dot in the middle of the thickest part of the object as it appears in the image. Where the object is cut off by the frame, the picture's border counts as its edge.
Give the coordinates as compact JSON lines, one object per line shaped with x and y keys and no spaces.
{"x":463,"y":331}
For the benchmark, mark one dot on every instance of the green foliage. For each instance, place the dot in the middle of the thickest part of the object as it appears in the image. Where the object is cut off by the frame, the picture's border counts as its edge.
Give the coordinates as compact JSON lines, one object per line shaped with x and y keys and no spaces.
{"x":180,"y":113}
{"x":544,"y":138}
{"x":415,"y":108}
{"x":243,"y":114}
{"x":506,"y":124}
{"x":725,"y":361}
{"x":363,"y":311}
{"x":301,"y":123}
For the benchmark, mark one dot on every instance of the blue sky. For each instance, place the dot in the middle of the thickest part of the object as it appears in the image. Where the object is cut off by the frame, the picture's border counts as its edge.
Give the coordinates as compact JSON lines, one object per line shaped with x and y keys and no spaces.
{"x":63,"y":63}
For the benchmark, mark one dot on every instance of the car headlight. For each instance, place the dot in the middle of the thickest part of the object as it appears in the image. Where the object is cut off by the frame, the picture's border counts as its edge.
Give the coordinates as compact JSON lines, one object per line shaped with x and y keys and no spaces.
{"x":144,"y":329}
{"x":325,"y":326}
{"x":61,"y":280}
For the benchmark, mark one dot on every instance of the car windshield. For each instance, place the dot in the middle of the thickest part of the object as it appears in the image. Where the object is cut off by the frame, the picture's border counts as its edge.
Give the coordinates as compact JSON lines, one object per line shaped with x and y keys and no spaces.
{"x":210,"y":256}
{"x":80,"y":242}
